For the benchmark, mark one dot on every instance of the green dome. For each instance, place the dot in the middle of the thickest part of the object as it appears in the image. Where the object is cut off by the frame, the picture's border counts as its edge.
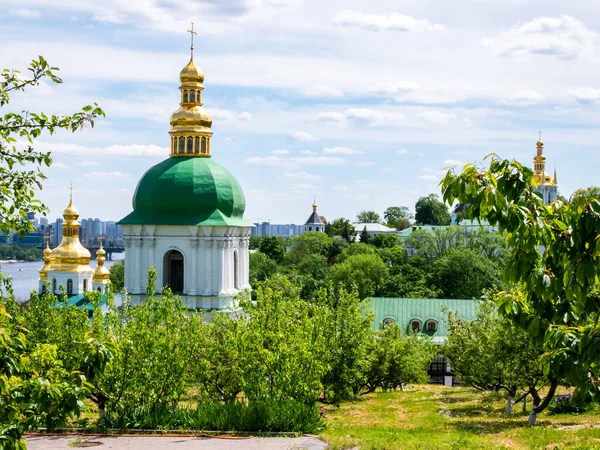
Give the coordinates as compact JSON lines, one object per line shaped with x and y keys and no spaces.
{"x":188,"y":191}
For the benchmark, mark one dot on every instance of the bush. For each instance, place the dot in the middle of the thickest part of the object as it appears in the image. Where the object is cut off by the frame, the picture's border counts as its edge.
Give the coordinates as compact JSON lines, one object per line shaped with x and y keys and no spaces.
{"x":567,"y":404}
{"x":257,"y":416}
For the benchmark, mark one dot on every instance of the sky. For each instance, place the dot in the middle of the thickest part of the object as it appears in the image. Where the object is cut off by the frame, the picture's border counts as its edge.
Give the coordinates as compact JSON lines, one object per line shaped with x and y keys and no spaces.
{"x":361,"y":104}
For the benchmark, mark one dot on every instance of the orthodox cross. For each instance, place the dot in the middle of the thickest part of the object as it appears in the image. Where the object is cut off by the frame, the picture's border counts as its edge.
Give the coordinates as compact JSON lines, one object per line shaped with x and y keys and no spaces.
{"x":192,"y":33}
{"x":540,"y":135}
{"x":71,"y":191}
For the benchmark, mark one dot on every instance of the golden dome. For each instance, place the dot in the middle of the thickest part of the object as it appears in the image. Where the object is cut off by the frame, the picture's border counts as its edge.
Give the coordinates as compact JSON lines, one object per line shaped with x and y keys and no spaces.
{"x":193,"y":117}
{"x":191,"y":74}
{"x":101,"y":273}
{"x":70,"y":212}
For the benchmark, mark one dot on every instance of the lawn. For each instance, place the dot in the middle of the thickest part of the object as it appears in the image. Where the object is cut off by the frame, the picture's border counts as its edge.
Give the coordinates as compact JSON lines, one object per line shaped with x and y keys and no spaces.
{"x":435,"y":417}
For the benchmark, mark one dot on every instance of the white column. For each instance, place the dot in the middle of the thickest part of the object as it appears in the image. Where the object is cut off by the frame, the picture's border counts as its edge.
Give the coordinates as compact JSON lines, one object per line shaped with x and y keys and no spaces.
{"x":193,"y":278}
{"x":219,"y":266}
{"x":140,"y":276}
{"x":151,"y":242}
{"x":208,"y":268}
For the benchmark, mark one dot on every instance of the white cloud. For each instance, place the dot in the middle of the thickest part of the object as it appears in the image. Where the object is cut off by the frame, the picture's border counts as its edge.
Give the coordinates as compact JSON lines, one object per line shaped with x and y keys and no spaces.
{"x":341,"y":151}
{"x":403,"y":151}
{"x":335,"y":117}
{"x":399,"y":88}
{"x":59,"y":165}
{"x":281,"y":151}
{"x":342,"y":187}
{"x":319,"y":160}
{"x":107,"y":176}
{"x":525,"y":98}
{"x":304,"y":186}
{"x":322,"y":91}
{"x":112,"y":150}
{"x":563,"y":37}
{"x":221,"y":115}
{"x":244,"y":116}
{"x":435,"y":117}
{"x":277,"y":161}
{"x":365,"y":164}
{"x":428,"y":170}
{"x":307,"y":152}
{"x":269,"y":161}
{"x":386,"y":170}
{"x":390,"y":22}
{"x":372,"y":117}
{"x":89,"y":163}
{"x":301,"y":176}
{"x":304,"y":136}
{"x":453,"y":162}
{"x":585,"y":95}
{"x":428,"y":178}
{"x":25,"y":13}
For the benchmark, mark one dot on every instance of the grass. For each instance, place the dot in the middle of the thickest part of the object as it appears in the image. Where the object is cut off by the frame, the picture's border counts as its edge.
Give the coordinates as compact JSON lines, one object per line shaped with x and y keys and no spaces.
{"x":435,"y":417}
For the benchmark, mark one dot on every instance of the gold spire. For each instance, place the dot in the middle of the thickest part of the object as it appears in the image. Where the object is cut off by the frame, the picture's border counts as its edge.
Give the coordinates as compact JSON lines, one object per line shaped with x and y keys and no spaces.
{"x":191,"y":125}
{"x":101,"y":273}
{"x":555,"y":179}
{"x":47,"y":252}
{"x":70,"y":255}
{"x":539,"y":162}
{"x":315,"y":204}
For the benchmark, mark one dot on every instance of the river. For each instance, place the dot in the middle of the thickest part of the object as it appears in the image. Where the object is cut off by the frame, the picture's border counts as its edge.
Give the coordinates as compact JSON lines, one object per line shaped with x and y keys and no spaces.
{"x":25,"y":274}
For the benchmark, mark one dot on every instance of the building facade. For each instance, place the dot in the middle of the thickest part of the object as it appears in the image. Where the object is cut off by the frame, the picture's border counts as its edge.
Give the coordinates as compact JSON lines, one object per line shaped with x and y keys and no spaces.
{"x":188,"y":215}
{"x":547,"y":185}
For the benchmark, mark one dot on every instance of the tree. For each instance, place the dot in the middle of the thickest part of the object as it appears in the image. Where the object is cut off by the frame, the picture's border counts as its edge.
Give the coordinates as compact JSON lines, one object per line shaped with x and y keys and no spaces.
{"x":365,"y":272}
{"x":554,"y":252}
{"x":464,"y":273}
{"x":398,"y":217}
{"x":430,"y":211}
{"x":308,"y":244}
{"x":22,"y":172}
{"x":385,"y":240}
{"x":365,"y":237}
{"x":117,"y":276}
{"x":270,"y":246}
{"x":342,"y":227}
{"x":368,"y":217}
{"x":261,"y":267}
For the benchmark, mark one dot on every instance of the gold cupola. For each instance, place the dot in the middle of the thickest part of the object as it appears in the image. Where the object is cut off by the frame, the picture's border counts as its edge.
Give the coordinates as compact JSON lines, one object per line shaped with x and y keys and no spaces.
{"x":44,"y":270}
{"x":539,"y":162}
{"x":70,"y":255}
{"x":191,"y":125}
{"x":101,"y":273}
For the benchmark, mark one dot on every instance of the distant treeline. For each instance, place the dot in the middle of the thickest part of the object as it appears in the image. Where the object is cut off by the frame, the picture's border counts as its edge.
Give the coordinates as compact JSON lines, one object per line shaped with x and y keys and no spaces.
{"x":19,"y":252}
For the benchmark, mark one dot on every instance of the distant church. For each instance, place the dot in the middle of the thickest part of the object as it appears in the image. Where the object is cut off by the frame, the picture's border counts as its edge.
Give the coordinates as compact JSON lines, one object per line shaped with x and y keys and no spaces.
{"x":547,"y":185}
{"x":314,"y":221}
{"x":188,"y":215}
{"x":68,"y":265}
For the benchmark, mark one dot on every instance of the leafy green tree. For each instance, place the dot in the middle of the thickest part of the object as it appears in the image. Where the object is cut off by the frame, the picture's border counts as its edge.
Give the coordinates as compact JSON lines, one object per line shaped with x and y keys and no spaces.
{"x":271,"y":246}
{"x":365,"y":272}
{"x":490,"y":353}
{"x":117,"y":276}
{"x":368,"y":217}
{"x":342,"y":227}
{"x":398,"y":217}
{"x":397,"y":359}
{"x":464,"y":273}
{"x":554,"y":251}
{"x":385,"y":240}
{"x":365,"y":237}
{"x":338,"y":246}
{"x":311,"y":243}
{"x":22,"y":172}
{"x":431,"y":211}
{"x":261,"y":267}
{"x":358,"y":248}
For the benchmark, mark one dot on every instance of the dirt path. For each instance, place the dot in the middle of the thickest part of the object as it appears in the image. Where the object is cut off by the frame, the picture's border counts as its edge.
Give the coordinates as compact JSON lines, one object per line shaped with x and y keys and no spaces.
{"x":177,"y":443}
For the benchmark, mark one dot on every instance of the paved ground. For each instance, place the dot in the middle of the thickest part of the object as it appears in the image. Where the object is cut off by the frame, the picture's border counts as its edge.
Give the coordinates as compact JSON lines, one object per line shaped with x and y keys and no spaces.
{"x":177,"y":443}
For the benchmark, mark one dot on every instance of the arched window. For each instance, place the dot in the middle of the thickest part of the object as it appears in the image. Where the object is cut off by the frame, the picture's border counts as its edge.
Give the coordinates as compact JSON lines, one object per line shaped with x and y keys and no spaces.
{"x":99,"y":290}
{"x":198,"y":97}
{"x":203,"y":149}
{"x":193,"y":96}
{"x":173,"y":265}
{"x":196,"y":145}
{"x":185,"y":96}
{"x":236,"y":263}
{"x":69,"y":287}
{"x":181,"y":145}
{"x":190,"y":145}
{"x":54,"y":285}
{"x":84,"y":285}
{"x":44,"y":288}
{"x":415,"y":325}
{"x":388,"y":321}
{"x":431,"y":325}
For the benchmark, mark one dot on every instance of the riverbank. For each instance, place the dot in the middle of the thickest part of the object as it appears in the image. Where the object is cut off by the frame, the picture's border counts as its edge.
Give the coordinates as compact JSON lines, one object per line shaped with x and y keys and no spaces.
{"x":12,"y":261}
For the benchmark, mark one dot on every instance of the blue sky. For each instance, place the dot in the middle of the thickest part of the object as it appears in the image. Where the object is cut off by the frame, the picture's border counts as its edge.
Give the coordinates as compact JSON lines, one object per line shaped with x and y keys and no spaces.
{"x":359,"y":103}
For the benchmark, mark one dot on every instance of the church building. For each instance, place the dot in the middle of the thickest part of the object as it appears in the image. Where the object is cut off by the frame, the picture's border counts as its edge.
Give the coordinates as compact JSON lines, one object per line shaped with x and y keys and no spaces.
{"x":188,"y":214}
{"x":68,"y":265}
{"x":314,"y":221}
{"x":547,"y":185}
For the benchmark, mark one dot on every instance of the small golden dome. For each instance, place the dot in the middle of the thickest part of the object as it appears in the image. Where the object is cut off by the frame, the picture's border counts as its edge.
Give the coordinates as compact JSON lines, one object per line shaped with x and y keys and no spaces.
{"x":191,"y":74}
{"x":70,"y":212}
{"x":47,"y":251}
{"x":191,"y":117}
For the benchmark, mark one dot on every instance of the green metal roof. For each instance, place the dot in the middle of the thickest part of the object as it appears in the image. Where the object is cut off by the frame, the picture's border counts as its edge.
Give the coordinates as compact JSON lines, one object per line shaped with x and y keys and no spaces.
{"x":80,"y":302}
{"x":404,"y":310}
{"x":431,"y":229}
{"x":188,"y":191}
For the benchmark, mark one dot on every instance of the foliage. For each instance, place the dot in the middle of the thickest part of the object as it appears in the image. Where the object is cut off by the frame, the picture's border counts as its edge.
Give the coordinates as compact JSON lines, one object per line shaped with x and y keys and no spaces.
{"x":364,"y":237}
{"x":270,"y":246}
{"x":368,"y":217}
{"x":255,"y":416}
{"x":398,"y":217}
{"x":22,"y":165}
{"x":261,"y":267}
{"x":554,"y":251}
{"x":117,"y":276}
{"x":308,"y":244}
{"x":341,"y":227}
{"x":430,"y":211}
{"x":366,"y":272}
{"x":567,"y":404}
{"x":464,"y":273}
{"x":20,"y":252}
{"x":385,"y":240}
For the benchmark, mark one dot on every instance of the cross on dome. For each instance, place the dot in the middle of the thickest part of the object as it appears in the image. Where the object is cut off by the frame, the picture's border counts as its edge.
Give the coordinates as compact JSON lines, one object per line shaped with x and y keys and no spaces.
{"x":192,"y":33}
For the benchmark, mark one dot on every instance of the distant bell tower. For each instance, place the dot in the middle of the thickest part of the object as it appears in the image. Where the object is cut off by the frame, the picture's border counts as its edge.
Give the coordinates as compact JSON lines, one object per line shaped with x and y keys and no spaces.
{"x":547,"y":185}
{"x":314,"y":222}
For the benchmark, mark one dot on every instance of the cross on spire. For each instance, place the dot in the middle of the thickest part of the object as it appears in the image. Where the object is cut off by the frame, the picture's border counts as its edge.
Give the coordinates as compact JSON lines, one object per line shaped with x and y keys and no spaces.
{"x":540,"y":133}
{"x":192,"y":33}
{"x":71,"y":191}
